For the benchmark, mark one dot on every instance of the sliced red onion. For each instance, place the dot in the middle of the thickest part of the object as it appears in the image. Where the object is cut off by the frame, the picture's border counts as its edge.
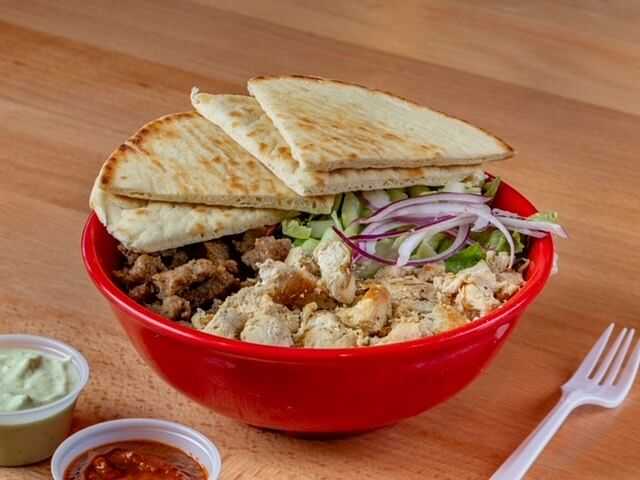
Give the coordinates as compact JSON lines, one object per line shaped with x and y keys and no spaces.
{"x":360,"y":252}
{"x":480,"y":224}
{"x":380,"y":236}
{"x":472,"y":198}
{"x":504,"y":213}
{"x":458,"y":243}
{"x":413,"y":240}
{"x":463,"y":232}
{"x":507,"y":234}
{"x":517,"y":223}
{"x":375,"y":229}
{"x":377,"y":198}
{"x":530,"y":233}
{"x":429,"y":210}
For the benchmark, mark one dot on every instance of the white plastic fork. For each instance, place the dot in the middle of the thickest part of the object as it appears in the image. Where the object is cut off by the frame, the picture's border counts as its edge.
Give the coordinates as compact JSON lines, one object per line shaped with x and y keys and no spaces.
{"x":605,"y":386}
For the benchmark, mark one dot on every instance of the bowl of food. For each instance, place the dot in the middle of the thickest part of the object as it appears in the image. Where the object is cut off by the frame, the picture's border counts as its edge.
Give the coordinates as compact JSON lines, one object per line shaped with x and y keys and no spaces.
{"x":314,"y":301}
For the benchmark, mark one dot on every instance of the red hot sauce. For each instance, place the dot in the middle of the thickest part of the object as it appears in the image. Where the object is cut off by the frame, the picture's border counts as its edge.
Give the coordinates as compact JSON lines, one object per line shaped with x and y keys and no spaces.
{"x":135,"y":460}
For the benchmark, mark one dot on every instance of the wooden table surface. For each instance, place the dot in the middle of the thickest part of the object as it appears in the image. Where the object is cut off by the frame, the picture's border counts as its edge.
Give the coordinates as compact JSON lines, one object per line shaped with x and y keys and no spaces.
{"x":557,"y":79}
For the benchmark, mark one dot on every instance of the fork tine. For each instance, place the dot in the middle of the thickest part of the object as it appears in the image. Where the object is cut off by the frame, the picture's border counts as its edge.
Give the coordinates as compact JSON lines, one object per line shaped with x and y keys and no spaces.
{"x":604,"y":365}
{"x":620,"y":356}
{"x":590,"y":360}
{"x":629,"y":373}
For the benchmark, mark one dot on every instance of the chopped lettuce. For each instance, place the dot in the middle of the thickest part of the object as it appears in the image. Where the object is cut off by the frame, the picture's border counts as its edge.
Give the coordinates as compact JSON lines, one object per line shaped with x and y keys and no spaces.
{"x":465,"y":258}
{"x":310,"y":245}
{"x":418,"y":191}
{"x":424,"y":250}
{"x":440,"y":242}
{"x":294,"y":229}
{"x":492,"y":239}
{"x":444,"y":243}
{"x":318,"y":227}
{"x":396,"y":194}
{"x":551,"y":217}
{"x":353,"y":229}
{"x":491,"y":187}
{"x":328,"y":236}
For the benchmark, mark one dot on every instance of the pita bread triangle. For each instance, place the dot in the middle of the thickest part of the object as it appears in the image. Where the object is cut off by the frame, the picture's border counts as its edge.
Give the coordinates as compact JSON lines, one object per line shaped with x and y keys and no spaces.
{"x":242,"y":118}
{"x":149,"y":226}
{"x":185,"y":158}
{"x":331,"y":125}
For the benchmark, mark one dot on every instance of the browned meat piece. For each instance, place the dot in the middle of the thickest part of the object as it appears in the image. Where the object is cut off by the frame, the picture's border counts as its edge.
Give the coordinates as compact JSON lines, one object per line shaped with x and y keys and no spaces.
{"x":217,"y":251}
{"x":174,"y":258}
{"x":267,"y":248}
{"x":129,"y":255}
{"x":144,"y":267}
{"x":174,"y":281}
{"x":143,"y":293}
{"x":222,"y":282}
{"x":248,"y":239}
{"x":173,"y":307}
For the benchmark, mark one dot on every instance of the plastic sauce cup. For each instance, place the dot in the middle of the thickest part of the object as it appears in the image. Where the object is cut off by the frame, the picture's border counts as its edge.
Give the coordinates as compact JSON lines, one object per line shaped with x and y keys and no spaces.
{"x":31,"y":435}
{"x":173,"y":434}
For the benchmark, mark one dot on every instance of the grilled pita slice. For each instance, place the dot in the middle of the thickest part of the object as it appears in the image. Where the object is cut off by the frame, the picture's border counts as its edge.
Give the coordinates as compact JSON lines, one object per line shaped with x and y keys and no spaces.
{"x":242,"y":118}
{"x":150,"y":226}
{"x":185,"y":158}
{"x":331,"y":125}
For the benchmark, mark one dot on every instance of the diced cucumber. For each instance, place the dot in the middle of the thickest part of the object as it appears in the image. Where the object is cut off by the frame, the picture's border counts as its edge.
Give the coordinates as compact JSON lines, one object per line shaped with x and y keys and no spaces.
{"x":424,"y":250}
{"x":310,"y":245}
{"x":292,"y":228}
{"x":350,"y":210}
{"x":353,"y":229}
{"x":318,"y":227}
{"x":396,"y":194}
{"x":418,"y":191}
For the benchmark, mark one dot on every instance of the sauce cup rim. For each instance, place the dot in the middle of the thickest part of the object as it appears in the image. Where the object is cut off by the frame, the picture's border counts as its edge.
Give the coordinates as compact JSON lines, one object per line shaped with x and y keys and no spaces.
{"x":45,"y":345}
{"x":85,"y":439}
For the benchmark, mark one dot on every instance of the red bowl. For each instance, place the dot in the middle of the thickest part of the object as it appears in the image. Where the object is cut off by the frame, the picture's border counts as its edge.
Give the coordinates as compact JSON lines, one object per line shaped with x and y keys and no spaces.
{"x":316,"y":390}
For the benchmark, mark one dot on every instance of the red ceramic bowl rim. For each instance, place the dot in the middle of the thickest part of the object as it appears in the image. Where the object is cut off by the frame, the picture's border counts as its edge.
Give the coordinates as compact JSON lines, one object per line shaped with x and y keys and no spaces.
{"x":532,"y":287}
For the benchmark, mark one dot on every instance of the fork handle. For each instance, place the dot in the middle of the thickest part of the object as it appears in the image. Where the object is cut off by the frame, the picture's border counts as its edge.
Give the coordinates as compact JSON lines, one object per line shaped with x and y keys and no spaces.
{"x":521,"y":459}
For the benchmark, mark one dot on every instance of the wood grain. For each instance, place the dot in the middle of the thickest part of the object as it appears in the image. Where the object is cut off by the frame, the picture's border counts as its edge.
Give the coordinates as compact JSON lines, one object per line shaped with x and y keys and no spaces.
{"x":77,"y":77}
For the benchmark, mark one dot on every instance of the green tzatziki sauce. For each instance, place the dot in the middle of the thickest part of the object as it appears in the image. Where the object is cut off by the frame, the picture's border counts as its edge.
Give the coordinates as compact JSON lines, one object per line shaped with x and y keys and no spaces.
{"x":29,"y":379}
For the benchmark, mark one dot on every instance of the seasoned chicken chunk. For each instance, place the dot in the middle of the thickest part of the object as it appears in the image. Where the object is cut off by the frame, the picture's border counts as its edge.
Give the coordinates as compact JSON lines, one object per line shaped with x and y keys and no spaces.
{"x":498,"y":261}
{"x":438,"y":319}
{"x":324,"y":329}
{"x":402,"y":332}
{"x":334,"y":260}
{"x":300,"y":259}
{"x":253,"y":316}
{"x":480,"y":275}
{"x":234,"y":312}
{"x":508,"y":284}
{"x":370,"y":313}
{"x":266,"y":329}
{"x":292,"y":287}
